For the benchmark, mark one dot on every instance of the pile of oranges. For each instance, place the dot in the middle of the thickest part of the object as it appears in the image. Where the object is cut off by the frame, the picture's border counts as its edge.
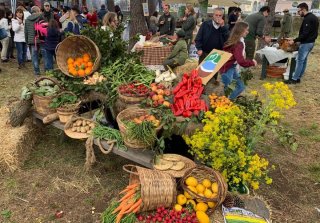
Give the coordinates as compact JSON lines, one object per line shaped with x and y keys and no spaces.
{"x":80,"y":66}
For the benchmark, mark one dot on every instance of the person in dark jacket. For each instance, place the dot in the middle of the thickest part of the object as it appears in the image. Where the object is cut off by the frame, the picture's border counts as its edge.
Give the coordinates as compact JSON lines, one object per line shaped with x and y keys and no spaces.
{"x":188,"y":25}
{"x":179,"y":53}
{"x":102,"y":12}
{"x":211,"y":35}
{"x":167,"y":22}
{"x":256,"y":23}
{"x":35,"y":45}
{"x":286,"y":24}
{"x":233,"y":17}
{"x":117,"y":10}
{"x":308,"y":34}
{"x":51,"y":42}
{"x":235,"y":46}
{"x":73,"y":24}
{"x":47,"y":12}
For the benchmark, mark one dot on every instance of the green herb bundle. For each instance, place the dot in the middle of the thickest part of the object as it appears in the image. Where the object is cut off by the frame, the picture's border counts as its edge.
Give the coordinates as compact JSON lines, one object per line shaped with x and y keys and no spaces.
{"x":63,"y":100}
{"x":107,"y":133}
{"x":144,"y":132}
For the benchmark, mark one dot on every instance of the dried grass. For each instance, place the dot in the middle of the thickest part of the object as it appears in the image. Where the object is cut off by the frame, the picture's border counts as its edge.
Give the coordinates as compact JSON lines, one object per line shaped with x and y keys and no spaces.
{"x":16,"y":143}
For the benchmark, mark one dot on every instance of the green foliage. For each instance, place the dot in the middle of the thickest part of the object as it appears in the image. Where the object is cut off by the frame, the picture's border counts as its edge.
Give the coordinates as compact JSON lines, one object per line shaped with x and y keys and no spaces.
{"x":63,"y":99}
{"x":144,"y":132}
{"x":6,"y":214}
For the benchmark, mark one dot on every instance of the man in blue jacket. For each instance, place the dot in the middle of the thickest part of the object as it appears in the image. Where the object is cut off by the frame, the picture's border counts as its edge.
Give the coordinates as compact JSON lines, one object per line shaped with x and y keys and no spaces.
{"x":211,"y":35}
{"x":308,"y":34}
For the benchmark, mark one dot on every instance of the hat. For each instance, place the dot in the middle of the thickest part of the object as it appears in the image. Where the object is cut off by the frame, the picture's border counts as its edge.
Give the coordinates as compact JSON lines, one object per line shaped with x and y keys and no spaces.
{"x":286,"y":10}
{"x":181,"y":33}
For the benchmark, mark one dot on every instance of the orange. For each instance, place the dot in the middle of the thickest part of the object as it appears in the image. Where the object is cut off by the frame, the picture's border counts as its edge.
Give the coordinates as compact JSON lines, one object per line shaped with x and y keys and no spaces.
{"x":81,"y":73}
{"x":88,"y":70}
{"x":70,"y":60}
{"x":79,"y":60}
{"x":70,"y":66}
{"x":86,"y":55}
{"x":86,"y":59}
{"x":74,"y":72}
{"x":90,"y":64}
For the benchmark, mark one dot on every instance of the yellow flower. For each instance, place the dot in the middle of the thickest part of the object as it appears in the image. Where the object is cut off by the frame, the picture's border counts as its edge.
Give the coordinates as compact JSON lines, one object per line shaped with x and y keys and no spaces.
{"x":254,"y":93}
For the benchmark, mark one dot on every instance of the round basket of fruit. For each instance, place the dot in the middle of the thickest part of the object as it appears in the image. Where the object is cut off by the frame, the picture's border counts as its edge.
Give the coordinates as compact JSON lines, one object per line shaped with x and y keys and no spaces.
{"x":133,"y":93}
{"x":138,"y":128}
{"x":204,"y":186}
{"x":78,"y":56}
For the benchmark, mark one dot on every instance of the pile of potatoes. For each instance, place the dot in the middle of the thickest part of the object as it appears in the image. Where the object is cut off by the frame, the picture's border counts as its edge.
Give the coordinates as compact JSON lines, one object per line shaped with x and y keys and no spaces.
{"x":82,"y":126}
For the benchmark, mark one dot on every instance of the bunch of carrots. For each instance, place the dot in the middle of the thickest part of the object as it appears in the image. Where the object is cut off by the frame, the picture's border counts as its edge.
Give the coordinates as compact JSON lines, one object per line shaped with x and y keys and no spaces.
{"x":125,"y":209}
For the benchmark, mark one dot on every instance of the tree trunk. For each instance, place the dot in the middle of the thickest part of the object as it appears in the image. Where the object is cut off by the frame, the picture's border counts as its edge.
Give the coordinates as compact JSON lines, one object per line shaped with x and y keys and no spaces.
{"x":203,"y":9}
{"x":315,"y":4}
{"x":267,"y":28}
{"x":152,"y":4}
{"x":110,"y":5}
{"x":138,"y":22}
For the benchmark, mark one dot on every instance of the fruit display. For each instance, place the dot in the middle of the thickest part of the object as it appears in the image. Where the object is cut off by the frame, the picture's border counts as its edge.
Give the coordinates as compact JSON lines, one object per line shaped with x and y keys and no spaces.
{"x":83,"y":126}
{"x":163,"y":215}
{"x":206,"y":189}
{"x":150,"y":118}
{"x":94,"y":79}
{"x":80,"y":66}
{"x":187,"y":93}
{"x":169,"y":162}
{"x":134,"y":89}
{"x":159,"y":95}
{"x":219,"y":101}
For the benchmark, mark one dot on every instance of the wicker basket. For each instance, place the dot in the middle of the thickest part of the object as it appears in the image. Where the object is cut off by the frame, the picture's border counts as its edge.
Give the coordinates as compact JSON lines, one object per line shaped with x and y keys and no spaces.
{"x":131,"y":100}
{"x":275,"y":71}
{"x":157,"y":188}
{"x":75,"y":46}
{"x":41,"y":103}
{"x":130,"y":114}
{"x":201,"y":173}
{"x":66,"y":112}
{"x":75,"y":135}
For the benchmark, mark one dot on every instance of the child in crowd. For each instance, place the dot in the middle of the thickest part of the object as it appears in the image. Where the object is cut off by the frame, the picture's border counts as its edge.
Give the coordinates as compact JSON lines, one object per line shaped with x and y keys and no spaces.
{"x":19,"y":37}
{"x":235,"y":45}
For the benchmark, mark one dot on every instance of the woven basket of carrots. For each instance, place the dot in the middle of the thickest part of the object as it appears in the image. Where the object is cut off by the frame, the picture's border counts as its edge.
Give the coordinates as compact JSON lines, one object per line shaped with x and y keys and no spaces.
{"x":154,"y":188}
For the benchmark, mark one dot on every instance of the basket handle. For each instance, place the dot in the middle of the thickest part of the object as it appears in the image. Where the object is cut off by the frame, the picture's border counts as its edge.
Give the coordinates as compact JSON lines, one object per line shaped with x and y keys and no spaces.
{"x":48,"y":78}
{"x":103,"y":150}
{"x":128,"y":168}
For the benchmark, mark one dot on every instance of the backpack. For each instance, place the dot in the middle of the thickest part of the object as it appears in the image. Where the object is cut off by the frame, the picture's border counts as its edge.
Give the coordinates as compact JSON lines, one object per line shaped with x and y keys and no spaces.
{"x":41,"y":32}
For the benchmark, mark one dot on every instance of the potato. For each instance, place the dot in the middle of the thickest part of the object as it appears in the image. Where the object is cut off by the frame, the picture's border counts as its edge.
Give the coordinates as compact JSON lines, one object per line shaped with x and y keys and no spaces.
{"x":87,"y":128}
{"x":74,"y":124}
{"x":79,"y":122}
{"x":84,"y":123}
{"x":83,"y":129}
{"x":73,"y":129}
{"x":91,"y":125}
{"x":89,"y":122}
{"x":78,"y":129}
{"x":89,"y":132}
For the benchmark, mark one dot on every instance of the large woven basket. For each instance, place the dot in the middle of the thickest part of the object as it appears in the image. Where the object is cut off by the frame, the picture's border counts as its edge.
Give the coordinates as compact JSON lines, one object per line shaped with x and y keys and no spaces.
{"x":275,"y":71}
{"x":41,"y":103}
{"x":201,"y":173}
{"x":130,"y":114}
{"x":131,"y":100}
{"x":157,"y":188}
{"x":75,"y":46}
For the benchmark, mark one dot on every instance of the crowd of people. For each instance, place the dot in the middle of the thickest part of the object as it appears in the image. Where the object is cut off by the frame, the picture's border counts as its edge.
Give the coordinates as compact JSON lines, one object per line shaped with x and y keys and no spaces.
{"x":34,"y":31}
{"x":237,"y":37}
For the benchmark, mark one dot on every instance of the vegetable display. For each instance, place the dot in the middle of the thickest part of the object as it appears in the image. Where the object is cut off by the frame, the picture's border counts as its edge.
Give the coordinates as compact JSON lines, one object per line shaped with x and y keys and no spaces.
{"x":107,"y":133}
{"x":80,"y":66}
{"x":94,"y":79}
{"x":134,"y":89}
{"x":63,"y":100}
{"x":167,"y":76}
{"x":187,"y":93}
{"x":45,"y":88}
{"x":82,"y":126}
{"x":159,"y":95}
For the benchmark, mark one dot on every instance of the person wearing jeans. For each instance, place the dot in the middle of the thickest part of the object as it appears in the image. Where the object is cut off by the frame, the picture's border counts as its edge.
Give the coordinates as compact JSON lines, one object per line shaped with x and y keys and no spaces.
{"x":5,"y":41}
{"x":308,"y":34}
{"x":35,"y":51}
{"x":19,"y":37}
{"x":52,"y":39}
{"x":233,"y":75}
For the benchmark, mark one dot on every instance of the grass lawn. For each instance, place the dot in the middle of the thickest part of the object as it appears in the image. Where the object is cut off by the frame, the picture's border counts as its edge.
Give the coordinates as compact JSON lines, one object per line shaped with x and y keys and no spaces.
{"x":53,"y":178}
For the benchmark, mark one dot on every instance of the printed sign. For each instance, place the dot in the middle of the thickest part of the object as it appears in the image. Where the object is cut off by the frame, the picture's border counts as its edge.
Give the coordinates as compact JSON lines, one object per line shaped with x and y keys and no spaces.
{"x":212,"y":64}
{"x":145,"y":9}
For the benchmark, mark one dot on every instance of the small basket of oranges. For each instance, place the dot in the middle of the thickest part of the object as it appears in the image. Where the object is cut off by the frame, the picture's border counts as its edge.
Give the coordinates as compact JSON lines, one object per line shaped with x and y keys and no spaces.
{"x":78,"y":56}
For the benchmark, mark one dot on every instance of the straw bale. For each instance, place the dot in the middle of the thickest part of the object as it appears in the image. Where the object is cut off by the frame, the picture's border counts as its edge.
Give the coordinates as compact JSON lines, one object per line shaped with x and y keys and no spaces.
{"x":16,"y":142}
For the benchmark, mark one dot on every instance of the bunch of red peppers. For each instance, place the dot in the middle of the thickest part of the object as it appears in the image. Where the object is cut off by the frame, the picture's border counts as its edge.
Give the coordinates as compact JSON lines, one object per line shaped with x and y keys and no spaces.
{"x":187,"y":93}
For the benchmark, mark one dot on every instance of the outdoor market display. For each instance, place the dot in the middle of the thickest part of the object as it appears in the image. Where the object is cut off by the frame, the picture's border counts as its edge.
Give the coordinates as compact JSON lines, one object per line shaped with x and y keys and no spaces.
{"x":176,"y":189}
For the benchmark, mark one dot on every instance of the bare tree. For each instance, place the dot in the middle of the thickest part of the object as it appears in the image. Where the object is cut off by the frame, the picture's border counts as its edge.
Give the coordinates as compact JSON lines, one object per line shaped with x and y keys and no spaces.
{"x":315,"y":4}
{"x":152,"y":4}
{"x":110,"y":5}
{"x":137,"y":20}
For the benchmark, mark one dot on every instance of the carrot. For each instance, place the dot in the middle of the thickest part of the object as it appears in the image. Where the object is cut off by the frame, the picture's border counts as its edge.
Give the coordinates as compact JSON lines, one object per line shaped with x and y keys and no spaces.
{"x":117,"y":209}
{"x":134,"y":206}
{"x":124,"y":191}
{"x":129,"y":194}
{"x":132,"y":186}
{"x":119,"y":217}
{"x":137,"y":209}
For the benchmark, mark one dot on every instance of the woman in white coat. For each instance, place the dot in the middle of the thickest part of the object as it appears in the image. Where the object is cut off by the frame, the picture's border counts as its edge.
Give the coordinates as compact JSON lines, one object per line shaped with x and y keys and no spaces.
{"x":5,"y":41}
{"x":19,"y":38}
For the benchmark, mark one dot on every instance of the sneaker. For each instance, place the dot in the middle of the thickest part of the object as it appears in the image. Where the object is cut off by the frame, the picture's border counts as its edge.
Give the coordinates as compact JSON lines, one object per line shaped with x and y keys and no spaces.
{"x":5,"y":61}
{"x":292,"y":82}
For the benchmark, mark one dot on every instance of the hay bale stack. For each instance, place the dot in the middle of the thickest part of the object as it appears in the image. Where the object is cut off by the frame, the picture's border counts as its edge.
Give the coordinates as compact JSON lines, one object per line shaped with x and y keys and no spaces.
{"x":16,"y":143}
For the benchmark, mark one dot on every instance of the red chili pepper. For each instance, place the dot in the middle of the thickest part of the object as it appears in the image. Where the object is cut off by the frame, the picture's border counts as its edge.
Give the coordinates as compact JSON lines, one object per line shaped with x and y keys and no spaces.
{"x":182,"y":93}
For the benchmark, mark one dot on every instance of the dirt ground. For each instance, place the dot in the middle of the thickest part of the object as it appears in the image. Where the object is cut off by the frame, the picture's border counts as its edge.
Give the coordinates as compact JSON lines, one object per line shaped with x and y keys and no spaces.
{"x":53,"y":178}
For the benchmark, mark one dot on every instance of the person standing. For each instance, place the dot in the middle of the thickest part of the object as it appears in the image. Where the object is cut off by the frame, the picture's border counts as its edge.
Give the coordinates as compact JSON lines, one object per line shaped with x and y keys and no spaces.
{"x":29,"y":33}
{"x":286,"y":24}
{"x":65,"y":18}
{"x":233,"y":17}
{"x":102,"y":12}
{"x":188,"y":25}
{"x":51,"y":42}
{"x":256,"y":23}
{"x":211,"y":35}
{"x":19,"y":38}
{"x":10,"y":50}
{"x":235,"y":45}
{"x":154,"y":23}
{"x":167,"y":22}
{"x":93,"y":17}
{"x":118,"y":11}
{"x":47,"y":12}
{"x":308,"y":34}
{"x":73,"y":25}
{"x":5,"y":41}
